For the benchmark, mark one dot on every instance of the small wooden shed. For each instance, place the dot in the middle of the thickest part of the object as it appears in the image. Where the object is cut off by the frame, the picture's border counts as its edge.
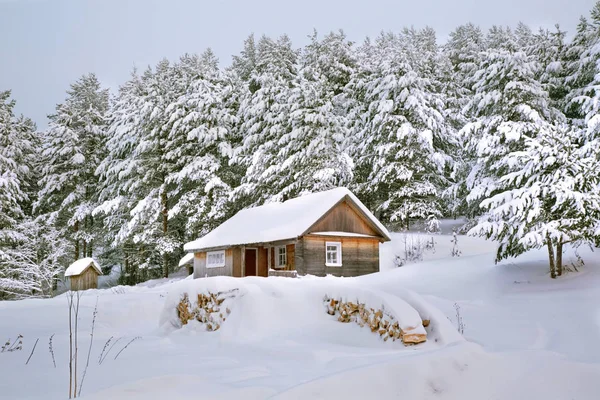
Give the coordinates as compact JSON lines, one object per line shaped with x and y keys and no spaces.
{"x":83,"y":274}
{"x":188,"y":260}
{"x":324,"y":233}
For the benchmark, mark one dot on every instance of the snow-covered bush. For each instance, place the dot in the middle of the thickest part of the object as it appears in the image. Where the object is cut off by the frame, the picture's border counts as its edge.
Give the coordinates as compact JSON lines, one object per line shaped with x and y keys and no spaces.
{"x":415,"y":246}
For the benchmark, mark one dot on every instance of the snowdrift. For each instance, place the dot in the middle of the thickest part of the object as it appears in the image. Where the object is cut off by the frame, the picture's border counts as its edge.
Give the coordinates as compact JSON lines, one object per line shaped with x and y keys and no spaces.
{"x":253,"y":309}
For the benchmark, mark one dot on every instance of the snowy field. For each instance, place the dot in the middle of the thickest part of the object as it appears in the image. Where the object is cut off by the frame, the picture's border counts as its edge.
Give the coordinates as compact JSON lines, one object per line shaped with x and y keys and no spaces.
{"x":525,"y":336}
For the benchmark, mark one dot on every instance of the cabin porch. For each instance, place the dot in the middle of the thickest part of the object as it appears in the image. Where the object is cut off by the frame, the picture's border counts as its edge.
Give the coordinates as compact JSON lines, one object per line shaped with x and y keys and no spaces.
{"x":260,"y":259}
{"x":270,"y":259}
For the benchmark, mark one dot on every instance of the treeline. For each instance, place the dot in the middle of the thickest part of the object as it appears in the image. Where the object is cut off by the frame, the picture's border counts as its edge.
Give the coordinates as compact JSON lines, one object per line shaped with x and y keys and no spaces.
{"x":501,"y":126}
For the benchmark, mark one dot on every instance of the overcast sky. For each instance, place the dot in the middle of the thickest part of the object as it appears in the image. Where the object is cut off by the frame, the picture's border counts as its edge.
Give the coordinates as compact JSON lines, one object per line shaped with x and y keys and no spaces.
{"x":47,"y":44}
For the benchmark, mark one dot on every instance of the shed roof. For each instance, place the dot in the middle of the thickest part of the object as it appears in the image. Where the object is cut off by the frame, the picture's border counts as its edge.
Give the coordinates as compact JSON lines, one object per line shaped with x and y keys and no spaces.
{"x":188,"y":258}
{"x":280,"y":221}
{"x":81,"y":265}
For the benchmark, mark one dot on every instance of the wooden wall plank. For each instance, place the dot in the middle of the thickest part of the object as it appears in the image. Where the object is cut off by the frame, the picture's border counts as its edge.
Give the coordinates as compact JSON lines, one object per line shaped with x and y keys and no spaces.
{"x":299,"y":257}
{"x":201,"y":271}
{"x":237,"y":262}
{"x":343,"y":218}
{"x":262,"y":262}
{"x":290,"y":250}
{"x":88,"y":279}
{"x":360,"y":256}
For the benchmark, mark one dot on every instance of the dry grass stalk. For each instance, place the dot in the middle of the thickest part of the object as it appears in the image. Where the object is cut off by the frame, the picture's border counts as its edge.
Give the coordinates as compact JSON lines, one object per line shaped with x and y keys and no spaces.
{"x":89,"y":348}
{"x":32,"y":350}
{"x":51,"y":349}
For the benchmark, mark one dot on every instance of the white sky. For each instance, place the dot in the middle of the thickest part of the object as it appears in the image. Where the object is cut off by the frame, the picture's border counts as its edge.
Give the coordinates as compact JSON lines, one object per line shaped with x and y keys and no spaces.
{"x":47,"y":44}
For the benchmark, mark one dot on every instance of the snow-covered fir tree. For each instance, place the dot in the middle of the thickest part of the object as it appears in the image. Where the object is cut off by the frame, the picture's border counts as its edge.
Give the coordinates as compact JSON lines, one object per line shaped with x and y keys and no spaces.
{"x":72,"y":151}
{"x":30,"y":253}
{"x":264,"y":116}
{"x":400,"y":146}
{"x":530,"y":175}
{"x":118,"y":183}
{"x":17,"y":147}
{"x":200,"y":144}
{"x":463,"y":50}
{"x":311,"y":156}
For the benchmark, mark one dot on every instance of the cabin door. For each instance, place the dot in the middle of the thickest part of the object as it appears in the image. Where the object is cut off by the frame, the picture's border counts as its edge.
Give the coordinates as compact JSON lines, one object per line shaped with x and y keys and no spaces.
{"x":251,"y":262}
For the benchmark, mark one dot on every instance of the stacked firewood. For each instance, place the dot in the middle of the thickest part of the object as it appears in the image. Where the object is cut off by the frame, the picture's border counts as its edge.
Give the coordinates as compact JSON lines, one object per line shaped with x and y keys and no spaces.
{"x":208,"y":309}
{"x":378,"y":320}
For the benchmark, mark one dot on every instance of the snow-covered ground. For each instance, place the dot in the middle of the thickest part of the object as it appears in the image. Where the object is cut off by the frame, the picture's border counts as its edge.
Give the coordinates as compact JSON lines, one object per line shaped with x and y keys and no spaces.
{"x":527,"y":336}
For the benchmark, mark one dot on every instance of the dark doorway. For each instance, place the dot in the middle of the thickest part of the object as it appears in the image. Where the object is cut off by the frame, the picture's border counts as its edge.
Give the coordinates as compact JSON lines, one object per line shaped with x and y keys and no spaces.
{"x":250,"y":262}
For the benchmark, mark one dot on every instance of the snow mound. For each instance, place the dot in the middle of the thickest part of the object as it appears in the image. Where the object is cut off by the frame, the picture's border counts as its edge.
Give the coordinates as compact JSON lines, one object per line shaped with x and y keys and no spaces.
{"x":263,"y":308}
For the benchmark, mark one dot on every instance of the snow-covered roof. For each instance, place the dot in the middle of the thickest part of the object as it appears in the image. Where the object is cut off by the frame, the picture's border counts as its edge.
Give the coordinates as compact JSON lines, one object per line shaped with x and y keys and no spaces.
{"x":342,"y":234}
{"x":188,"y":258}
{"x":279,"y":221}
{"x":81,"y":265}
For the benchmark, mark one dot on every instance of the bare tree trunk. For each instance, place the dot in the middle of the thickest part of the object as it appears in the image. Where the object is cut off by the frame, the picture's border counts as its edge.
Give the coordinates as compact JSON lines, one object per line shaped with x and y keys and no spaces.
{"x":165,"y":220}
{"x":559,"y":250}
{"x":85,"y":227}
{"x":551,"y":256}
{"x":126,"y":268}
{"x":76,"y":229}
{"x":76,"y":346}
{"x":70,"y":301}
{"x":91,"y":226}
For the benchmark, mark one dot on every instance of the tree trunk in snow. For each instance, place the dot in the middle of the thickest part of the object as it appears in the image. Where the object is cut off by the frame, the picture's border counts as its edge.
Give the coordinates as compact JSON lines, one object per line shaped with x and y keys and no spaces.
{"x":165,"y":215}
{"x":559,"y":250}
{"x":90,"y":243}
{"x":85,"y":229}
{"x":551,"y":256}
{"x":76,"y":229}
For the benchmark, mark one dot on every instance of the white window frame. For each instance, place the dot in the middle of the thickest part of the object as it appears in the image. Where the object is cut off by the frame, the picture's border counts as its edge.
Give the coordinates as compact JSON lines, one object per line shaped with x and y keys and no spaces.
{"x":277,"y":255}
{"x":338,"y":251}
{"x":219,"y":264}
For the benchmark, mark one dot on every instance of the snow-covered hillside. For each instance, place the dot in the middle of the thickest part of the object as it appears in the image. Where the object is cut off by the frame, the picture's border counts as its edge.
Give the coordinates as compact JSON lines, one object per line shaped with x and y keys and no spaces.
{"x":527,"y":336}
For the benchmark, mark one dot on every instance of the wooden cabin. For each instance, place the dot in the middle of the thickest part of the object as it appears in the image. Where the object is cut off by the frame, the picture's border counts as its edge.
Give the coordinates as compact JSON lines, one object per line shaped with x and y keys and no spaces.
{"x":83,"y":274}
{"x":324,"y":233}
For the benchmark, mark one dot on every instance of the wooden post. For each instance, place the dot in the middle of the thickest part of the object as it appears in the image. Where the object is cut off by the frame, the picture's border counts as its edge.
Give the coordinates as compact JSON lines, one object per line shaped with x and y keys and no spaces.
{"x":268,"y":260}
{"x":243,"y":266}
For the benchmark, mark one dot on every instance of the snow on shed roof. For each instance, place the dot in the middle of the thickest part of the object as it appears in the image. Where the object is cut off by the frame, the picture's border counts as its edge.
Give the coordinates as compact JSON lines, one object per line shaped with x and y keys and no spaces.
{"x":81,"y":265}
{"x":188,"y":258}
{"x":278,"y":221}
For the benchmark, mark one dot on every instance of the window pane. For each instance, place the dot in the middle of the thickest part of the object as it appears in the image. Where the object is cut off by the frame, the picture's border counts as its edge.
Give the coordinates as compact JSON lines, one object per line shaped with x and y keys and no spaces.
{"x":281,"y":256}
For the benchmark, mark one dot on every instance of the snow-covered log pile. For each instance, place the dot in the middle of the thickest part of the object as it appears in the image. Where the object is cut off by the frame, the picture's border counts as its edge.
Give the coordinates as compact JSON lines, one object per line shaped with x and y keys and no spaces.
{"x":397,"y":323}
{"x":208,"y":309}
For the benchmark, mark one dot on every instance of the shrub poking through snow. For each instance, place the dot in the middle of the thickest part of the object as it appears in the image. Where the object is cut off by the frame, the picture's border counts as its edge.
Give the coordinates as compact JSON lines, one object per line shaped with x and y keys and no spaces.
{"x":379,"y":321}
{"x":11,"y":346}
{"x":460,"y":325}
{"x":455,"y":251}
{"x":208,"y":309}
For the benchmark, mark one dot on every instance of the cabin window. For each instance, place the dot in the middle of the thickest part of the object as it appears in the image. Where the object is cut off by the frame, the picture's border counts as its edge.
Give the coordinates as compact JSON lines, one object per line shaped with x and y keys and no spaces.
{"x":281,"y":257}
{"x":333,"y":254}
{"x":215,"y":259}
